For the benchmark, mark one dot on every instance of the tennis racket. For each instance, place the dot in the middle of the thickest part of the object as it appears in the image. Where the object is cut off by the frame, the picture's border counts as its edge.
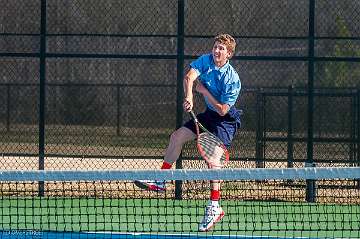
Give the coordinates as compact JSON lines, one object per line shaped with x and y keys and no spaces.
{"x":210,"y":147}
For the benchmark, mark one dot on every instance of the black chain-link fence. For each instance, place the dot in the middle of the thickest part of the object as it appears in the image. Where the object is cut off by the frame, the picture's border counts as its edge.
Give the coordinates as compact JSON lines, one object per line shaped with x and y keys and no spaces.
{"x":98,"y":84}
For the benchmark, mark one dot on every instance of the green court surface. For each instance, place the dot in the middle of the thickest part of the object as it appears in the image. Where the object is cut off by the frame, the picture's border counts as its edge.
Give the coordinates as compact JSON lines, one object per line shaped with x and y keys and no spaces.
{"x":245,"y":218}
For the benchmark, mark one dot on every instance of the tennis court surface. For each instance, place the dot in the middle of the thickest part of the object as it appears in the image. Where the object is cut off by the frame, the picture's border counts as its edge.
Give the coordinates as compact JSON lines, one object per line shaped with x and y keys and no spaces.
{"x":259,"y":203}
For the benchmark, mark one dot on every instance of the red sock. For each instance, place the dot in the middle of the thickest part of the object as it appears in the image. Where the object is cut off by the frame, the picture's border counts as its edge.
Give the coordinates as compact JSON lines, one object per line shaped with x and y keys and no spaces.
{"x":166,"y":165}
{"x":215,"y":195}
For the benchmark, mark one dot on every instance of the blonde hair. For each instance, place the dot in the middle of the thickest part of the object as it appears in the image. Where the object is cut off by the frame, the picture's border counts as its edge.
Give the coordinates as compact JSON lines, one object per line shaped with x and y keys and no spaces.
{"x":228,"y":41}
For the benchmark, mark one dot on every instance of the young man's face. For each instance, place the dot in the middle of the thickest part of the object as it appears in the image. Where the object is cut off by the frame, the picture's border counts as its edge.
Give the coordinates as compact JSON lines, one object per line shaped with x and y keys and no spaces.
{"x":220,"y":54}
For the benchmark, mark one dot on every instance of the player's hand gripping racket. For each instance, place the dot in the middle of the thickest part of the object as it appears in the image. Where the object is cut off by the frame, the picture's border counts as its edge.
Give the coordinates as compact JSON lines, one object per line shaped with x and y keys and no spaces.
{"x":210,"y":147}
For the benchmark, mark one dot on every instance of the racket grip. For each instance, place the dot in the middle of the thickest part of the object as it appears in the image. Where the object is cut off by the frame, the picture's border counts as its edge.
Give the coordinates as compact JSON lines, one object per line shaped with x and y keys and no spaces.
{"x":193,"y":116}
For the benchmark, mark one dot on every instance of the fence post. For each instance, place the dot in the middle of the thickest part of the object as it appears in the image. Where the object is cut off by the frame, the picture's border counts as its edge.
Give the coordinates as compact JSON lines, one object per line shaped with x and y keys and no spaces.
{"x":290,"y":141}
{"x":259,"y":144}
{"x":310,"y":184}
{"x":179,"y":89}
{"x":117,"y":110}
{"x":353,"y":115}
{"x":357,"y":110}
{"x":42,"y":93}
{"x":8,"y":108}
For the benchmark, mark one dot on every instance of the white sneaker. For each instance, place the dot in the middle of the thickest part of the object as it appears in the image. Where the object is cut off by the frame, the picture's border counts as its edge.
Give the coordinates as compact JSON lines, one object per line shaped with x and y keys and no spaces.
{"x":213,"y":214}
{"x":158,"y":186}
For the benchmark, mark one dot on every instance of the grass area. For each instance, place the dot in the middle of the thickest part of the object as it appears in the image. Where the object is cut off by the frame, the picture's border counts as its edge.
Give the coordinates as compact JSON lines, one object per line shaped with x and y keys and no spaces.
{"x":277,"y":219}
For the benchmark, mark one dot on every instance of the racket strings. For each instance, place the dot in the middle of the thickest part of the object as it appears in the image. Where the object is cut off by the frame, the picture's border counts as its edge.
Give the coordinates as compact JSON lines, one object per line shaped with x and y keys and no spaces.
{"x":212,"y":148}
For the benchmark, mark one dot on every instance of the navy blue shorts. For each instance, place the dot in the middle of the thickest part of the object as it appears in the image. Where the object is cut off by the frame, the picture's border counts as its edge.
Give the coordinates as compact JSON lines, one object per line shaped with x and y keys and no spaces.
{"x":223,"y":127}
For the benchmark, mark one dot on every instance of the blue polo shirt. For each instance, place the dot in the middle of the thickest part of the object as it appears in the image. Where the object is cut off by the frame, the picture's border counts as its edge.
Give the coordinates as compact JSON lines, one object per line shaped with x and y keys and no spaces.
{"x":223,"y":83}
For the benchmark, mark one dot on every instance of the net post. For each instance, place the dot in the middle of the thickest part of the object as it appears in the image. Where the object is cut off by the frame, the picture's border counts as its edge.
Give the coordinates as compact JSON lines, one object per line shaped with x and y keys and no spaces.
{"x":310,"y":186}
{"x":178,"y":183}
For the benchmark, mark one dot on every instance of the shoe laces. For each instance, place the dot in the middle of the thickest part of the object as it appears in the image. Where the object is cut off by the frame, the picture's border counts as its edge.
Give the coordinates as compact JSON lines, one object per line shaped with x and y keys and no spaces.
{"x":210,"y":211}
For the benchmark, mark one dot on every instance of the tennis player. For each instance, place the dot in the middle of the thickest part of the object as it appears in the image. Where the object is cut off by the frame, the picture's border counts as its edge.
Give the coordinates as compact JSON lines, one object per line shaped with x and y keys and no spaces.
{"x":218,"y":82}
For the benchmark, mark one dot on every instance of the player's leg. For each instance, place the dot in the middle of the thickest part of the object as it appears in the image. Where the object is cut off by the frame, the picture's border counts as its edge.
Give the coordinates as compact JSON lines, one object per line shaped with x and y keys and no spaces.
{"x":213,"y":211}
{"x":177,"y":139}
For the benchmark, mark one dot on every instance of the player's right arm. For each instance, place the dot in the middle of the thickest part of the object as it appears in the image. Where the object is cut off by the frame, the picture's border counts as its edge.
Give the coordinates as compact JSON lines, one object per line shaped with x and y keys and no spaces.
{"x":188,"y":83}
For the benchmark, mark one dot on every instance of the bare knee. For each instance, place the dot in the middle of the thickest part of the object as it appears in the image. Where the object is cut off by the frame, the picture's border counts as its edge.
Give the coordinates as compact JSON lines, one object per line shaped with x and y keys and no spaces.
{"x":180,"y":136}
{"x":176,"y":137}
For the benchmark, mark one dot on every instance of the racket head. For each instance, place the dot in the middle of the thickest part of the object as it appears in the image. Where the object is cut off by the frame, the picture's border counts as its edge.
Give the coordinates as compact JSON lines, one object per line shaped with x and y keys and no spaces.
{"x":210,"y":147}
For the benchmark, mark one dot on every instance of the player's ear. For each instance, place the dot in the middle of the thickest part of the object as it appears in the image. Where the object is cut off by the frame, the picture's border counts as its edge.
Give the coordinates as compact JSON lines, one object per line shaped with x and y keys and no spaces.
{"x":229,"y":54}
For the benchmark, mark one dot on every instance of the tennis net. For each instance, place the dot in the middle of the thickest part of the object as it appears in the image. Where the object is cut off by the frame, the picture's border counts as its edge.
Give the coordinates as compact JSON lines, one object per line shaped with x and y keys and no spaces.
{"x":269,"y":203}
